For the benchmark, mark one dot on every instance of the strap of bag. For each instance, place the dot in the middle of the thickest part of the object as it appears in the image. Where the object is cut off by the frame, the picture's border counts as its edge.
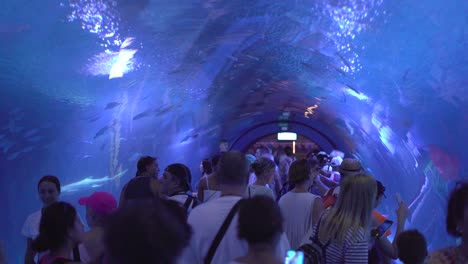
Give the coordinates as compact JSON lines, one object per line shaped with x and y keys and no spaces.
{"x":316,"y":240}
{"x":221,"y":232}
{"x":188,"y":202}
{"x":76,"y":254}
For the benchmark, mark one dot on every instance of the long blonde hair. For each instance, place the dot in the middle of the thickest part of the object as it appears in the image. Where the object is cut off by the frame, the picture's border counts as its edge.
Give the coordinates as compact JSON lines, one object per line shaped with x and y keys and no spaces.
{"x":352,"y":210}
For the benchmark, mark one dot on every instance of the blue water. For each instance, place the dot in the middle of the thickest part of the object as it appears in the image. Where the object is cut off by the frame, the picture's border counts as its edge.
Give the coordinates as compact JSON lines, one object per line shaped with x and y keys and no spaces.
{"x":87,"y":86}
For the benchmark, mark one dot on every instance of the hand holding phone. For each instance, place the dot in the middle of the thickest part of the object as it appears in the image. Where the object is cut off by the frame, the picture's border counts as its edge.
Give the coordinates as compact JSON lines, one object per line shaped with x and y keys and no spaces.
{"x":294,"y":257}
{"x":382,"y":229}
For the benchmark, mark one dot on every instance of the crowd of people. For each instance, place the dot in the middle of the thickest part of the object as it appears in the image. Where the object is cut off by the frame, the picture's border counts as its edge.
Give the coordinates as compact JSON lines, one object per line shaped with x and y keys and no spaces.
{"x":247,"y":208}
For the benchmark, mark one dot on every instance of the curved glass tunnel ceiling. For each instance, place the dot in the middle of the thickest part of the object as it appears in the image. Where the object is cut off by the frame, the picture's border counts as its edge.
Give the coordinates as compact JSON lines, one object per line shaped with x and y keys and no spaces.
{"x":89,"y":86}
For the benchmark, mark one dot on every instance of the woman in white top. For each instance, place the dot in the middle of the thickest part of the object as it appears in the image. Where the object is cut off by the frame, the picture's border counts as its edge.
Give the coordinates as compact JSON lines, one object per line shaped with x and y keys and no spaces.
{"x":208,"y":187}
{"x":300,"y":208}
{"x":49,"y":192}
{"x":344,"y":230}
{"x":264,"y":171}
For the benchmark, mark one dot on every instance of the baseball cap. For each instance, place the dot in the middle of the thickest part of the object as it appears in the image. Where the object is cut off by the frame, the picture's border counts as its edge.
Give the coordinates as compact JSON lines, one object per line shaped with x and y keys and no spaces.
{"x":101,"y":203}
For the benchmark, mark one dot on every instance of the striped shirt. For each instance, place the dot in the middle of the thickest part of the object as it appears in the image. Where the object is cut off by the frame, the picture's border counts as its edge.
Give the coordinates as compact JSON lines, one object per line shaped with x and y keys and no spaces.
{"x":354,"y":248}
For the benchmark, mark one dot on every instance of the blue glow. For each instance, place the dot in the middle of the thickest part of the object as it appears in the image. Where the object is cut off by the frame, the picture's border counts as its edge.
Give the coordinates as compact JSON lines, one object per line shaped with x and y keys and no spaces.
{"x":114,"y":64}
{"x":98,"y":17}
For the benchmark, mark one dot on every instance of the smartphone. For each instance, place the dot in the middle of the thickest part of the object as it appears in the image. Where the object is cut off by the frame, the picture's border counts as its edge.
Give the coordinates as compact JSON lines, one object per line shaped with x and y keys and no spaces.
{"x":382,"y":228}
{"x":294,"y":257}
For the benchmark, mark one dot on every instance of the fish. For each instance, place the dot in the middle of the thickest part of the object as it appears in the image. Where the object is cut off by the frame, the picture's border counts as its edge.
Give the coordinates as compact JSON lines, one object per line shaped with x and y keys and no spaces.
{"x":34,"y":139}
{"x":30,"y":132}
{"x":101,"y":132}
{"x":127,"y":42}
{"x":346,"y":62}
{"x":86,"y":157}
{"x":94,"y":119}
{"x":339,"y":70}
{"x":89,"y":182}
{"x":185,"y":139}
{"x":196,"y":133}
{"x":143,"y":114}
{"x":86,"y":142}
{"x":7,"y":146}
{"x":164,"y":110}
{"x":27,"y":149}
{"x":232,"y":58}
{"x":251,"y":57}
{"x":405,"y":75}
{"x":112,"y":105}
{"x":14,"y":155}
{"x":353,"y":88}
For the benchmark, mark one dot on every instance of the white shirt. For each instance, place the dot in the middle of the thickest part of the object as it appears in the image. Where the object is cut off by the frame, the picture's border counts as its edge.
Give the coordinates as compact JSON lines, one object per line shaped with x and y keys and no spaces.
{"x":206,"y":220}
{"x":31,"y":225}
{"x":31,"y":230}
{"x":182,"y":198}
{"x":209,"y":195}
{"x":297,"y":211}
{"x":253,"y":190}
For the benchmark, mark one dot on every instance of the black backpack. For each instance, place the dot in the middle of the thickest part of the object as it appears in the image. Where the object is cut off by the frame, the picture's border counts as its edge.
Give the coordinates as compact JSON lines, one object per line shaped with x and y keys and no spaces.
{"x":314,"y":252}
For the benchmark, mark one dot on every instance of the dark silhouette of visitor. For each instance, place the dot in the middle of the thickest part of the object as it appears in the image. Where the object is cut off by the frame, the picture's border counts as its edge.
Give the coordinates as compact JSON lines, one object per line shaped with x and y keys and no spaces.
{"x":412,"y":247}
{"x":261,"y":225}
{"x":146,"y":231}
{"x":145,"y":184}
{"x":457,"y":226}
{"x":60,"y":232}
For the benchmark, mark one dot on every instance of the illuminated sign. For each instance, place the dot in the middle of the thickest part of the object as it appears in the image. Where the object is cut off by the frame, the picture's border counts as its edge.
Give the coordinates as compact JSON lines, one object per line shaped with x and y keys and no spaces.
{"x":287,"y":136}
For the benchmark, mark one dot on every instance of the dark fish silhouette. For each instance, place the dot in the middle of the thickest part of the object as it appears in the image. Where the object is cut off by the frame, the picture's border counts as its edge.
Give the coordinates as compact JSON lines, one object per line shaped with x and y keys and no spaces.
{"x":346,"y":62}
{"x":94,"y":119}
{"x":144,"y":114}
{"x":34,"y":139}
{"x":13,"y":156}
{"x":31,"y":132}
{"x":352,"y":88}
{"x":163,"y":110}
{"x":112,"y":105}
{"x":27,"y":149}
{"x":101,"y":132}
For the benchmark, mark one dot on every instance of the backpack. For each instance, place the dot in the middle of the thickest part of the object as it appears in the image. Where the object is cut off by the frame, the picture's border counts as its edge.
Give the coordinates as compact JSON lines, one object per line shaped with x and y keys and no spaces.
{"x":314,"y":252}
